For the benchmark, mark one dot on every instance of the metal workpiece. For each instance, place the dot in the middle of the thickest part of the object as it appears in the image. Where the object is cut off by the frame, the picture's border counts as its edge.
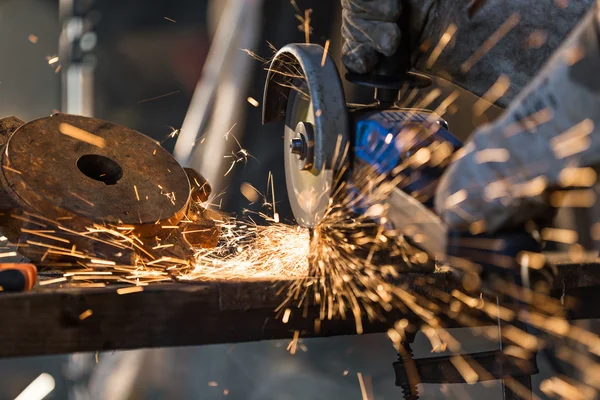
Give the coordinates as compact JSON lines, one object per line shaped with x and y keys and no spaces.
{"x":67,"y":174}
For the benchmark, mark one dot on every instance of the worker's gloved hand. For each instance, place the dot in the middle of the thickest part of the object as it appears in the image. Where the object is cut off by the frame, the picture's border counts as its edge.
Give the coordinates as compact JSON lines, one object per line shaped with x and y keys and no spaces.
{"x":369,"y":29}
{"x":443,"y":38}
{"x":508,"y":168}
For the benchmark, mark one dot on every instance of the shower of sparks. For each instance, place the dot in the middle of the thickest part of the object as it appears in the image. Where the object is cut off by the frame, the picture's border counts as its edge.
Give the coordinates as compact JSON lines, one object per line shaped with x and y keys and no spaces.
{"x":354,"y":266}
{"x":275,"y":251}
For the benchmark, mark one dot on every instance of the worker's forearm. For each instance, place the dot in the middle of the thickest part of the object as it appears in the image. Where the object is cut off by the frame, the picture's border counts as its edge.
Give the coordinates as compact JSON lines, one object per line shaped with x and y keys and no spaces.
{"x":566,"y":94}
{"x":490,"y":38}
{"x":553,"y":124}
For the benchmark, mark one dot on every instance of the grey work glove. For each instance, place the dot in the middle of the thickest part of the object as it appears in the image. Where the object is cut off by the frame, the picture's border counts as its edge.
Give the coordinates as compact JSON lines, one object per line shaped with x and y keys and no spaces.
{"x":369,"y":28}
{"x":508,"y":168}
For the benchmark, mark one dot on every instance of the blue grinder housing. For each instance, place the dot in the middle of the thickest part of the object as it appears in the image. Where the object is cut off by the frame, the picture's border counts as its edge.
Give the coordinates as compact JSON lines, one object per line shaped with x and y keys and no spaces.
{"x":384,"y":139}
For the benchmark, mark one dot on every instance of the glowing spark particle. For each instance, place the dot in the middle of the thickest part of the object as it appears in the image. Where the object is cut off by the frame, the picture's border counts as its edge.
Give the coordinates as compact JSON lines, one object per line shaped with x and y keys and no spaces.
{"x":86,"y":314}
{"x":276,"y":217}
{"x":225,"y":392}
{"x":529,"y":123}
{"x":389,"y":138}
{"x":531,"y":188}
{"x":82,"y":199}
{"x":439,"y":48}
{"x":53,"y":60}
{"x":6,"y":167}
{"x":582,"y":177}
{"x":556,"y":387}
{"x":573,"y":54}
{"x":456,"y":198}
{"x":307,"y":29}
{"x":560,"y":235}
{"x":345,"y":373}
{"x":164,"y":246}
{"x":52,"y":281}
{"x":574,"y":140}
{"x":39,"y":388}
{"x":495,"y":92}
{"x":293,"y":345}
{"x":137,"y":195}
{"x":80,"y":134}
{"x":286,"y":315}
{"x":491,"y":155}
{"x":325,"y":52}
{"x":159,"y":96}
{"x":463,"y":367}
{"x":8,"y":254}
{"x":253,"y":101}
{"x":170,"y":19}
{"x":363,"y":388}
{"x":531,"y":260}
{"x":573,"y":198}
{"x":537,"y":39}
{"x":129,"y":290}
{"x":32,"y":38}
{"x":102,"y":262}
{"x":249,"y":192}
{"x":212,"y":384}
{"x":318,"y":113}
{"x":493,"y":40}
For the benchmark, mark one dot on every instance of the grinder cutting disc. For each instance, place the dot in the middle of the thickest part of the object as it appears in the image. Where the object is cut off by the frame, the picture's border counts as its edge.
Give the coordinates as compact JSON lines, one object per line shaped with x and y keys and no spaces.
{"x":303,"y":85}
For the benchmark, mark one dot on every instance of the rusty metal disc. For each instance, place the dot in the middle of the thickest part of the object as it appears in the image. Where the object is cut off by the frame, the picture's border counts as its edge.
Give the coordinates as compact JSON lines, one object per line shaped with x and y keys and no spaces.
{"x":130,"y":180}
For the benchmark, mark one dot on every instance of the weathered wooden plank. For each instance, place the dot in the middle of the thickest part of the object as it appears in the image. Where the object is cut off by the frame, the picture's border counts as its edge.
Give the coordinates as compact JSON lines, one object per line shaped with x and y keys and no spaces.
{"x":47,"y":320}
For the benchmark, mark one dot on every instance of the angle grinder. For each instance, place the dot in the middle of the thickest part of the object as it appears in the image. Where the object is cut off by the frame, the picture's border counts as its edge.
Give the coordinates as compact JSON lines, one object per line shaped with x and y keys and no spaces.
{"x":328,"y":142}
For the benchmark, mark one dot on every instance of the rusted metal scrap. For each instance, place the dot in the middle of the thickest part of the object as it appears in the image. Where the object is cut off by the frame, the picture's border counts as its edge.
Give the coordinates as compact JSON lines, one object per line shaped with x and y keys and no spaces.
{"x":74,"y":187}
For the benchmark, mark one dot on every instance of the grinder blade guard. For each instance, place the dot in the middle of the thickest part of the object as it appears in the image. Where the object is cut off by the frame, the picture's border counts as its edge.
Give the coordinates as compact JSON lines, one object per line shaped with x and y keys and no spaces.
{"x":305,"y":91}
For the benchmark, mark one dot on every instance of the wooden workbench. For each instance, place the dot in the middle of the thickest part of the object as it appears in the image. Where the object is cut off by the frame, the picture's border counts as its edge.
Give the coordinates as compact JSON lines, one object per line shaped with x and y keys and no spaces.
{"x":47,"y":319}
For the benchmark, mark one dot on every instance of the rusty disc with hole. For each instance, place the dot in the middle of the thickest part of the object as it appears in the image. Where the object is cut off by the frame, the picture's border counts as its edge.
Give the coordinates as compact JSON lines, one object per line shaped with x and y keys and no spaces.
{"x":124,"y":178}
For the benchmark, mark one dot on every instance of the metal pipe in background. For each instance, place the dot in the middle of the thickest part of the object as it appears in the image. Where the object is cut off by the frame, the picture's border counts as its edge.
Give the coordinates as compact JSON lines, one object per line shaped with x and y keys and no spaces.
{"x":76,"y":44}
{"x":220,"y":91}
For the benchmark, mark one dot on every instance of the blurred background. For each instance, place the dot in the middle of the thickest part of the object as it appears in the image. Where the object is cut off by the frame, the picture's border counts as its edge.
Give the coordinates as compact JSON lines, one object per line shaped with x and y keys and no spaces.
{"x":138,"y":63}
